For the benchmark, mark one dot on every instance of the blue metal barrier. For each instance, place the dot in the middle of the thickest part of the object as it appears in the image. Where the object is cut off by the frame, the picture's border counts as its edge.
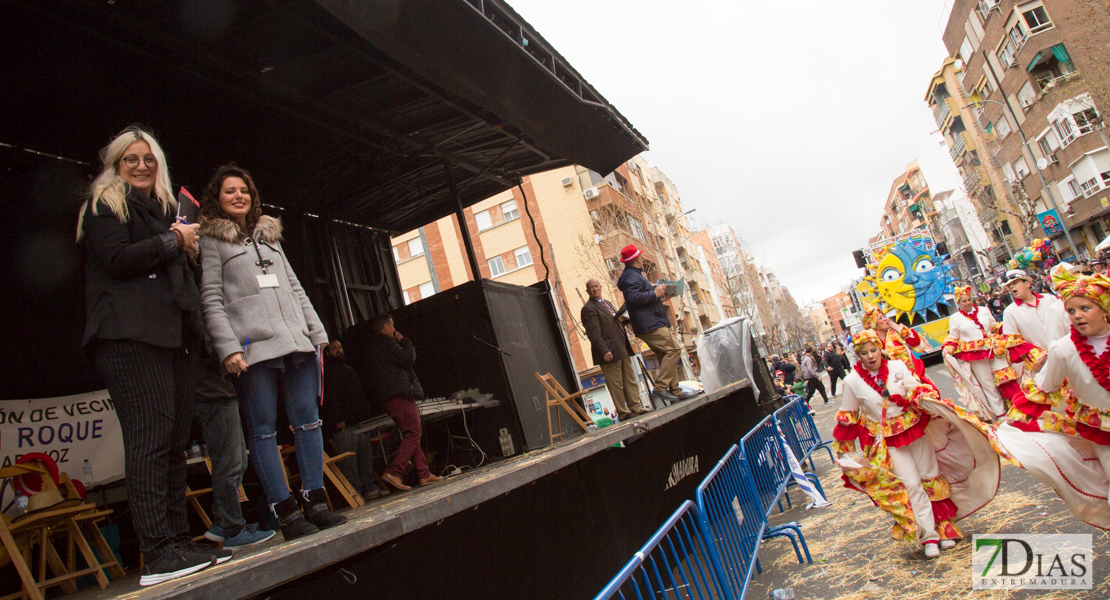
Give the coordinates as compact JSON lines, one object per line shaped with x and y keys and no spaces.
{"x":735,"y":519}
{"x":801,"y":432}
{"x":680,"y":561}
{"x":771,"y":473}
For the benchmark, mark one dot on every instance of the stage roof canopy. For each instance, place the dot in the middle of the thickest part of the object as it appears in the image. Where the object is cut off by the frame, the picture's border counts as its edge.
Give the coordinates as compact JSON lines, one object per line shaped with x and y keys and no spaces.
{"x":347,"y":109}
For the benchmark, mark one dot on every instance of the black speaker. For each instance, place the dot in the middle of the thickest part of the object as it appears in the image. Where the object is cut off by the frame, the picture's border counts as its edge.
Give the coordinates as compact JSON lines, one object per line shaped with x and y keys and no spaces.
{"x":493,"y":337}
{"x":858,"y":255}
{"x":942,"y":249}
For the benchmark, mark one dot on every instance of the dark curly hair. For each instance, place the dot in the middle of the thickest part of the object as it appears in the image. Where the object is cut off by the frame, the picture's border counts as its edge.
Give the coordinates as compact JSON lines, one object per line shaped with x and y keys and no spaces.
{"x":210,"y":199}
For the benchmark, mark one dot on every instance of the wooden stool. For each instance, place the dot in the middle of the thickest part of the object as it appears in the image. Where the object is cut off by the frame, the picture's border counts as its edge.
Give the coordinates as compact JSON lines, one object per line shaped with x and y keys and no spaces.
{"x":556,"y":397}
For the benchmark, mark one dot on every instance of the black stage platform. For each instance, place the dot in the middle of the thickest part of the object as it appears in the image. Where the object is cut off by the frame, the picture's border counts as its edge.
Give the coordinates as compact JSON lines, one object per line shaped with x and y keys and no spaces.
{"x":552,"y":523}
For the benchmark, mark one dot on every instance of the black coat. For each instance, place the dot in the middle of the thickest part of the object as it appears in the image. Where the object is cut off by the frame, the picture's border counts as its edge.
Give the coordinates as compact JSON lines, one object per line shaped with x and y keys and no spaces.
{"x":344,"y":399}
{"x":787,"y":369}
{"x":832,"y":361}
{"x":386,"y":368}
{"x":138,"y":283}
{"x":605,"y":332}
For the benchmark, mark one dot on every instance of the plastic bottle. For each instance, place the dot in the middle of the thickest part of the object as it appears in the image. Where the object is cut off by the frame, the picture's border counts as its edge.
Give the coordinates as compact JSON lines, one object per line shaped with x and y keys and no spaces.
{"x":591,"y":427}
{"x":86,"y":474}
{"x":782,"y":594}
{"x":21,"y":503}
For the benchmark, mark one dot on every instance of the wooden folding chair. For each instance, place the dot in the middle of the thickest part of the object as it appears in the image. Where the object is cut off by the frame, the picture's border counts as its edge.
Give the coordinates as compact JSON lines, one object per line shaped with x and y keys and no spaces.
{"x":333,"y":473}
{"x":19,"y":538}
{"x":557,"y":396}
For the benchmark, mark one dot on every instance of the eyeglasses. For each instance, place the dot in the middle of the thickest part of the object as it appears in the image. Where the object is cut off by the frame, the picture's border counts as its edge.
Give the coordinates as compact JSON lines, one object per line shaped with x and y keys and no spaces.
{"x":132,"y":161}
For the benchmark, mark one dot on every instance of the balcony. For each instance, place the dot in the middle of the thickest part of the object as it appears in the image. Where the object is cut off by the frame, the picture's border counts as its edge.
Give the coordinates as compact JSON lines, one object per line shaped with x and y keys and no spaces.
{"x":709,"y":310}
{"x":959,"y":146}
{"x":942,"y":111}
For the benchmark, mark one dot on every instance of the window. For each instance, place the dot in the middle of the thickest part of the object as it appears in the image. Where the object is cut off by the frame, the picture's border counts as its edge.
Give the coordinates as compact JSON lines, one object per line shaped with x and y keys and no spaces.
{"x":508,"y":209}
{"x":966,"y":50}
{"x":1048,"y":144}
{"x":1089,"y":187}
{"x":496,"y":267}
{"x":1064,"y":130}
{"x":416,"y":248}
{"x":1073,"y":187}
{"x":396,"y":255}
{"x":1085,"y":120}
{"x":405,"y":295}
{"x":1021,"y":168}
{"x":984,"y":8}
{"x":1037,"y":19}
{"x":1003,"y":128}
{"x":1027,"y":95}
{"x":523,"y":257}
{"x":483,"y":220}
{"x":637,"y":228}
{"x":427,"y":290}
{"x":613,"y":264}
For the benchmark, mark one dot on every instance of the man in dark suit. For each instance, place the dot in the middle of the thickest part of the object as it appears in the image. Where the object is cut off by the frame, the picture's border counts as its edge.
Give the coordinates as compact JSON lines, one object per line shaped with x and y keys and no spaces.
{"x":611,"y":351}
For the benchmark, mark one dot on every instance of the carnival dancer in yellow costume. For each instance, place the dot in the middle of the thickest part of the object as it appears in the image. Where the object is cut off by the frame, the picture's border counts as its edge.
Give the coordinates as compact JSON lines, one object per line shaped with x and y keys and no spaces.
{"x":1061,"y":435}
{"x":973,"y":337}
{"x":898,"y":341}
{"x":928,"y":462}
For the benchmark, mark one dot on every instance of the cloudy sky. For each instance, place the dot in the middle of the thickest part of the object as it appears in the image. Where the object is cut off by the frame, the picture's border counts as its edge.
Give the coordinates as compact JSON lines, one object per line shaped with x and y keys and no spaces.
{"x":786,"y":120}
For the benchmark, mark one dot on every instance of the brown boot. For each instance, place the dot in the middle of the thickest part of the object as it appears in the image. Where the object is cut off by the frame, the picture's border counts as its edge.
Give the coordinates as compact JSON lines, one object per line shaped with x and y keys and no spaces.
{"x":431,"y":478}
{"x":395,"y":481}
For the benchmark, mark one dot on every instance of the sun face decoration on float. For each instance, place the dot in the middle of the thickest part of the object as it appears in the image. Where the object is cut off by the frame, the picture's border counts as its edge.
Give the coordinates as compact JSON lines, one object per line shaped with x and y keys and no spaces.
{"x":907,"y":277}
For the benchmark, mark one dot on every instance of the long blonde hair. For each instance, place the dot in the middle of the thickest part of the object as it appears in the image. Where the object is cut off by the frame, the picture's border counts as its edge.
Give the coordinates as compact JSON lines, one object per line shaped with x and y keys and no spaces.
{"x":110,"y":190}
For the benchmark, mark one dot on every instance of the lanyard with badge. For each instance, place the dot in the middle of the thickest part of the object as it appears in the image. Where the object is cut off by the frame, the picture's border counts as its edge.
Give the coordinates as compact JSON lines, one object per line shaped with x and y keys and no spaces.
{"x":265,"y":280}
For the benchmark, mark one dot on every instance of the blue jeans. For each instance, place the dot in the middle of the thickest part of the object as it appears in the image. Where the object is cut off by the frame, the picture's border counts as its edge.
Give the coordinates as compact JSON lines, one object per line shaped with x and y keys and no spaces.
{"x":258,"y":400}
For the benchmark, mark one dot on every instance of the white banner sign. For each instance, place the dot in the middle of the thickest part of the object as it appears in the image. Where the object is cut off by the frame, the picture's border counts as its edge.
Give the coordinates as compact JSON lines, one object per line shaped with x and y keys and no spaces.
{"x":70,"y":429}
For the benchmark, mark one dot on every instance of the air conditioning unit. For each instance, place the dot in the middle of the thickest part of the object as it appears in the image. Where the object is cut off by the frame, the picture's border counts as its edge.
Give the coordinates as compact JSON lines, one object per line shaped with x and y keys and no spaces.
{"x":569,"y":181}
{"x":590,"y":193}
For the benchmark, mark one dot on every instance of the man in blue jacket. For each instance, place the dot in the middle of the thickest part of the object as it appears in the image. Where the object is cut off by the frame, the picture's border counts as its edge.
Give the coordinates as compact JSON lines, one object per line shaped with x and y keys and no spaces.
{"x":650,"y":323}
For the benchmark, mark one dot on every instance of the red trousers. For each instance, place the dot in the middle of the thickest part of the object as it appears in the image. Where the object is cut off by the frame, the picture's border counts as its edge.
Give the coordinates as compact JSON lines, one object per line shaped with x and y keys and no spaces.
{"x":407,"y":416}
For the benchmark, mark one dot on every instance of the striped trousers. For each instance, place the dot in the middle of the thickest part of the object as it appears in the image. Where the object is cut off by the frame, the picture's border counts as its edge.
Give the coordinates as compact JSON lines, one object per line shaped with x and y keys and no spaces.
{"x":152,"y":390}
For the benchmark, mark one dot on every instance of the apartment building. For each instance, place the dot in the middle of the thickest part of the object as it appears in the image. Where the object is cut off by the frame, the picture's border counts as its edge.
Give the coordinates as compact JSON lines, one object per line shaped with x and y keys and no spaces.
{"x":909,"y":205}
{"x":819,"y":320}
{"x":833,"y":305}
{"x":567,"y":225}
{"x":718,"y":304}
{"x":981,"y":171}
{"x":1039,"y":70}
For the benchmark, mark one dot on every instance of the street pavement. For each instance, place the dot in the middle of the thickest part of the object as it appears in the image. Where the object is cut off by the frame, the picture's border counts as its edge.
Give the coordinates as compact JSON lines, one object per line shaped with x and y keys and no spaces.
{"x":855,"y":558}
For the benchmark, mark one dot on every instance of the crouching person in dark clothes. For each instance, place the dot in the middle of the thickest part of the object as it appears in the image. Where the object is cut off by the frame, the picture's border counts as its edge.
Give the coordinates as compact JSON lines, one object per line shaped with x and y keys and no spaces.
{"x":345,"y":406}
{"x":388,"y":364}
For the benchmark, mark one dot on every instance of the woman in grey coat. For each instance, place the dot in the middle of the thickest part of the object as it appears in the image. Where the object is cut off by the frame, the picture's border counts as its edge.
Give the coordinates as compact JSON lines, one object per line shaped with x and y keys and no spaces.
{"x":264,"y":329}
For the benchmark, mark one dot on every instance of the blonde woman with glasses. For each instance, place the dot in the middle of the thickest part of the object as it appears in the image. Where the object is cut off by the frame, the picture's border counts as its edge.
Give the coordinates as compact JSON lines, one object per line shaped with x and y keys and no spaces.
{"x":143,"y":332}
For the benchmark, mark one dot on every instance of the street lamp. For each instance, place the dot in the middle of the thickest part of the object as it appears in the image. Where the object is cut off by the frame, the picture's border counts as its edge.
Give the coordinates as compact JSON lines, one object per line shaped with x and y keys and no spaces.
{"x":1044,"y":185}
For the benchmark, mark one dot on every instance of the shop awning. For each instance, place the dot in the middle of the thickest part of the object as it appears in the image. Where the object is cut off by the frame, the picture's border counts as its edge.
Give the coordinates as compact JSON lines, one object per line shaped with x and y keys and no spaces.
{"x":347,"y":109}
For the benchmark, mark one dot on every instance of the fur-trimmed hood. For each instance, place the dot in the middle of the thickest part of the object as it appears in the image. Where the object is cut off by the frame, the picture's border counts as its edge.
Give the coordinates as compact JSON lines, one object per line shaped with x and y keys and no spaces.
{"x":268,"y":229}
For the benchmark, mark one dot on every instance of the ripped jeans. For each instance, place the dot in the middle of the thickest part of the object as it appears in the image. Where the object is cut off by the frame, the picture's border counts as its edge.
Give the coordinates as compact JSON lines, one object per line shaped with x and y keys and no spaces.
{"x":258,"y":401}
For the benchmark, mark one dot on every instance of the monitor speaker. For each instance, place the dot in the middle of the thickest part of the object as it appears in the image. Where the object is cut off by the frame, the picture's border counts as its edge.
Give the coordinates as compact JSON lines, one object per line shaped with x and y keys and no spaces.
{"x":858,"y":255}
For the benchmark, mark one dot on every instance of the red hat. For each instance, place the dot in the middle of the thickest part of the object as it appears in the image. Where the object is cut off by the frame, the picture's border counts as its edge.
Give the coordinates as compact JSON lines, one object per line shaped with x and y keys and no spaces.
{"x":629,"y":253}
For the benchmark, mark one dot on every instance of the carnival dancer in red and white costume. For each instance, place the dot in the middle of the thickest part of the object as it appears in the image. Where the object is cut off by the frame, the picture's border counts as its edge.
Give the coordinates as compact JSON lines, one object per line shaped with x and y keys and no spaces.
{"x":973,"y":338}
{"x":928,"y":462}
{"x":898,"y":341}
{"x":1061,"y":434}
{"x":1040,"y":319}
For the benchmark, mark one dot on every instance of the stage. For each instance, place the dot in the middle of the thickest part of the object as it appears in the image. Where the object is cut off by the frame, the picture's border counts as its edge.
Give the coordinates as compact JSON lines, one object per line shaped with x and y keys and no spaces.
{"x":551,"y":523}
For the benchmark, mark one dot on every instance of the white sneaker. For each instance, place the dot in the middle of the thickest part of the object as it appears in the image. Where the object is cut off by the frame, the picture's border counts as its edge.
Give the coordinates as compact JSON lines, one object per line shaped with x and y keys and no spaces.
{"x":946,"y":544}
{"x":931,"y":551}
